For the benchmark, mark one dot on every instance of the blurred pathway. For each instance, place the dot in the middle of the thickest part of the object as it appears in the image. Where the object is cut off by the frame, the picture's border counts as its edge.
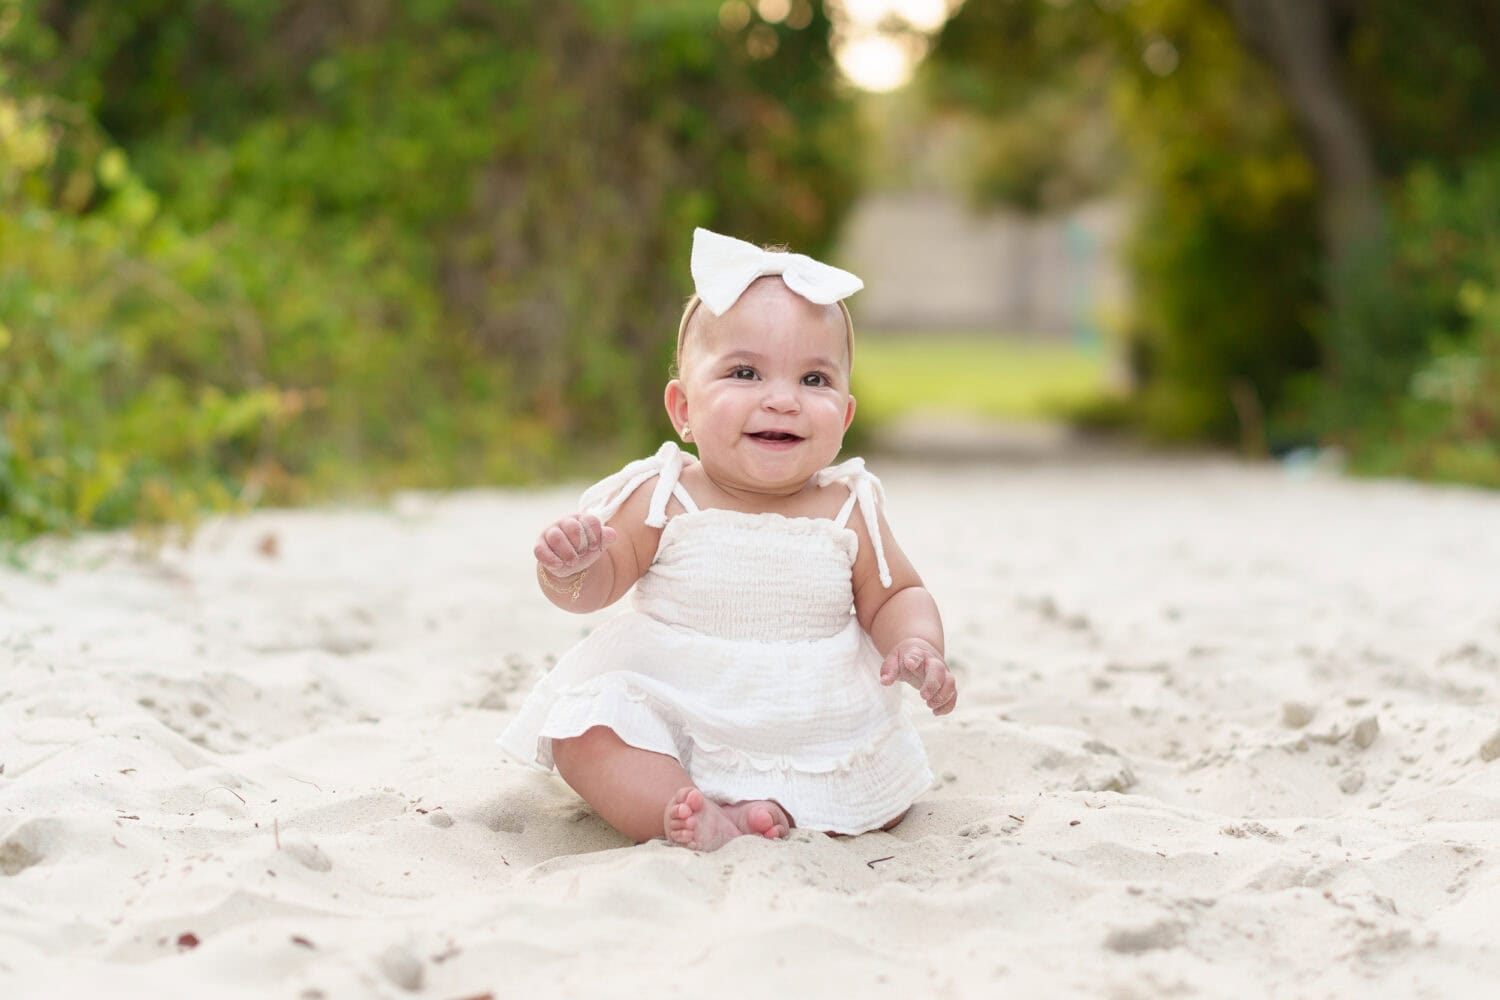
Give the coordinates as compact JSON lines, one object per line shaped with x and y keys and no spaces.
{"x":939,"y":438}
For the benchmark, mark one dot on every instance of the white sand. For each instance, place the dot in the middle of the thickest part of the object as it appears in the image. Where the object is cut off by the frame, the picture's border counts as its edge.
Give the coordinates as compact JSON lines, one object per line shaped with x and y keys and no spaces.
{"x":1122,"y":809}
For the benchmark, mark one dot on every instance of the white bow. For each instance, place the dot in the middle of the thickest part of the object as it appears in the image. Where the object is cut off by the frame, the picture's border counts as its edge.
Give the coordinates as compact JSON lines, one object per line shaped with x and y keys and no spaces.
{"x":723,"y":267}
{"x":605,"y":498}
{"x":865,"y":490}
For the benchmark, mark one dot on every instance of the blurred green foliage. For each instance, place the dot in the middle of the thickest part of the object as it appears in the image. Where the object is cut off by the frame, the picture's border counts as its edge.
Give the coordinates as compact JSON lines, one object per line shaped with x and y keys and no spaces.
{"x":270,"y":249}
{"x":1225,"y":252}
{"x":1246,"y":322}
{"x":1418,"y":387}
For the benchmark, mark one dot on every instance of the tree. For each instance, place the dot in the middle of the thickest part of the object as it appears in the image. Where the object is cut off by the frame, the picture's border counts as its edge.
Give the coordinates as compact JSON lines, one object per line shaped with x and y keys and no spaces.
{"x":1298,"y":39}
{"x":1240,"y":116}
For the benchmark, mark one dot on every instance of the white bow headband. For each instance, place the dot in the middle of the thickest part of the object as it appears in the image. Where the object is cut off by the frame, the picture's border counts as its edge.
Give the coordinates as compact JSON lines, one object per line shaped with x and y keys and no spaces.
{"x":723,"y":267}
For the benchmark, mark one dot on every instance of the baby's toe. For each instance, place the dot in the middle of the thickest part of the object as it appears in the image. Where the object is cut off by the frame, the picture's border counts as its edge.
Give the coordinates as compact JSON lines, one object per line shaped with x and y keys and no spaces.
{"x":680,"y":818}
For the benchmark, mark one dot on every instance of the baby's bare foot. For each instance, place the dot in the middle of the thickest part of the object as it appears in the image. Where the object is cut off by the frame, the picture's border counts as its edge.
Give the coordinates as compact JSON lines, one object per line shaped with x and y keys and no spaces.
{"x":699,"y":823}
{"x":760,"y":816}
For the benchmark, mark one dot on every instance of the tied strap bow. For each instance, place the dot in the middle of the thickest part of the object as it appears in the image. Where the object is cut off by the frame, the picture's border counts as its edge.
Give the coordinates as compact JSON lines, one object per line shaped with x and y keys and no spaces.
{"x":605,"y":498}
{"x":866,"y":491}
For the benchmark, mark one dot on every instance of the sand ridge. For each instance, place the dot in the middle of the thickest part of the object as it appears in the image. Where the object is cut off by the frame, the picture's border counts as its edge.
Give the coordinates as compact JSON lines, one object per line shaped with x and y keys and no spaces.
{"x":1222,"y":731}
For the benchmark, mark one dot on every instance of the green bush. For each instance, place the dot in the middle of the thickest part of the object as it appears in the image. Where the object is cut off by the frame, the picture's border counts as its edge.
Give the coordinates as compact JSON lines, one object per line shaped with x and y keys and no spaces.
{"x":98,"y":424}
{"x":1224,"y":255}
{"x":269,"y":250}
{"x":1416,"y":390}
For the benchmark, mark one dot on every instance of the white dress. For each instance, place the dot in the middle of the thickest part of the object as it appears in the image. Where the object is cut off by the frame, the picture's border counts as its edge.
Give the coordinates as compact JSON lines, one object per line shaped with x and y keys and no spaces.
{"x":742,"y":658}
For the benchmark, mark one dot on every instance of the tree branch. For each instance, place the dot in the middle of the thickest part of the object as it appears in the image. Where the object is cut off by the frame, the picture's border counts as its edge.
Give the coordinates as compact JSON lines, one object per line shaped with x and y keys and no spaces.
{"x":1296,"y":39}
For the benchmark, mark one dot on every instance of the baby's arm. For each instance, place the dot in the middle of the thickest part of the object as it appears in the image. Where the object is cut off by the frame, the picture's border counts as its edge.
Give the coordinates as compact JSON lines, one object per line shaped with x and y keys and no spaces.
{"x":583,"y":565}
{"x":903,"y":622}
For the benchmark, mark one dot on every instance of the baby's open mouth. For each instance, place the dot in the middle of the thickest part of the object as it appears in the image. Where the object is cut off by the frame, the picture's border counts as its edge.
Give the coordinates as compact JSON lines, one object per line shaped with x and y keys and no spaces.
{"x":774,"y":436}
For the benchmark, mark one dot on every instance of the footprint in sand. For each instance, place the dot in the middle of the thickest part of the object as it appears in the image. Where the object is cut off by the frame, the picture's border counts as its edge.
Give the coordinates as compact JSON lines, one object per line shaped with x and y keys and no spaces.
{"x":505,"y":819}
{"x":1135,"y":940}
{"x":26,"y":845}
{"x":308,"y":854}
{"x":226,"y":713}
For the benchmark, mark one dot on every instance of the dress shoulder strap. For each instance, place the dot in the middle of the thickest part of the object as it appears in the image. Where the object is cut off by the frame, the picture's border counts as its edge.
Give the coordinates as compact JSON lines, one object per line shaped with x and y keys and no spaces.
{"x":866,"y":491}
{"x":605,"y":498}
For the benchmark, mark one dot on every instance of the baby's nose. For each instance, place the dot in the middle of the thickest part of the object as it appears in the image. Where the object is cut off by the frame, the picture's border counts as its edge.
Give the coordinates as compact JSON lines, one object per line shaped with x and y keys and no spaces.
{"x":780,"y":396}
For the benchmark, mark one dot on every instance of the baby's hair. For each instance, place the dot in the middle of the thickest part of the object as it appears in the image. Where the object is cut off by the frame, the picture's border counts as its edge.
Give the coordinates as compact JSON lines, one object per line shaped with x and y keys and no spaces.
{"x":692,"y":307}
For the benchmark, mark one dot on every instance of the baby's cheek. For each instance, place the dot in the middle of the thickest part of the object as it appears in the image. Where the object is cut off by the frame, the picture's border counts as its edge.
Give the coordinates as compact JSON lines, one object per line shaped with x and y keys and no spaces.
{"x":831,"y":409}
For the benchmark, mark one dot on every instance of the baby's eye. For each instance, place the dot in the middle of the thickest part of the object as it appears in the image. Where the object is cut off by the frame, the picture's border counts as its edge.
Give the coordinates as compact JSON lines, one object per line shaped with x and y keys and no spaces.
{"x":743,"y":371}
{"x":816,"y":379}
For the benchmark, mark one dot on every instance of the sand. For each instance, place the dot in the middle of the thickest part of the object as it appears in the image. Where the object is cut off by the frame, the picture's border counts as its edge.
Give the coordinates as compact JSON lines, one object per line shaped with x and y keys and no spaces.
{"x":1223,"y":731}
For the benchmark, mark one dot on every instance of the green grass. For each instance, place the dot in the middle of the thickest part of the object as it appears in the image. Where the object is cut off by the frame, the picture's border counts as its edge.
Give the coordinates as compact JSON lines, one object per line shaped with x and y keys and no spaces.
{"x":991,"y":376}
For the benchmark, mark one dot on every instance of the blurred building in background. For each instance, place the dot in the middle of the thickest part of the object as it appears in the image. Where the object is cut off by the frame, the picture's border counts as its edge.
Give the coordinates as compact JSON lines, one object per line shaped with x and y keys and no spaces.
{"x":931,"y":263}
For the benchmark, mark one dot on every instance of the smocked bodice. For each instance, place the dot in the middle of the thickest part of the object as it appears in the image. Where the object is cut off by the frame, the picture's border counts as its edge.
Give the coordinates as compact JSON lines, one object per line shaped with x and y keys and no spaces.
{"x":745,"y":576}
{"x":759,"y":577}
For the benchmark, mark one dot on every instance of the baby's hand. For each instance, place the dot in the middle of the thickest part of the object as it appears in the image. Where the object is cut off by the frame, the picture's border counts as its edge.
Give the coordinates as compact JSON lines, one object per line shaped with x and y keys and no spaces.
{"x":918,"y":662}
{"x":572,"y":544}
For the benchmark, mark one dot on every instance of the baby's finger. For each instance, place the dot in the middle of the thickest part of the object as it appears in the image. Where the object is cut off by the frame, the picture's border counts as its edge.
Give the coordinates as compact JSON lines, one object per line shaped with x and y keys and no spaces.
{"x":545,"y":555}
{"x":543,"y":550}
{"x":562,"y":547}
{"x":890,"y":668}
{"x":932,"y":679}
{"x":594,"y":531}
{"x":947,"y":697}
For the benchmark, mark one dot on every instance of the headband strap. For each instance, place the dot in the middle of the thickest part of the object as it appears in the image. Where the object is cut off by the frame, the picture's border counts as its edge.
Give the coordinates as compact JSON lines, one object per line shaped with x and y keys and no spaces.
{"x":695,"y":302}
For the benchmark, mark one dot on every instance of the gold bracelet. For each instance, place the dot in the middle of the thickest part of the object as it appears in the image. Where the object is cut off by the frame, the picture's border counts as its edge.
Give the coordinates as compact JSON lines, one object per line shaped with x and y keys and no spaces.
{"x":570,"y":589}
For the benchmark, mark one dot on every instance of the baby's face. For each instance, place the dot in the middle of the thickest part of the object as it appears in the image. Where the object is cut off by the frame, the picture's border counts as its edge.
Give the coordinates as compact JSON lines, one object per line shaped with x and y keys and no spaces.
{"x":765,"y":390}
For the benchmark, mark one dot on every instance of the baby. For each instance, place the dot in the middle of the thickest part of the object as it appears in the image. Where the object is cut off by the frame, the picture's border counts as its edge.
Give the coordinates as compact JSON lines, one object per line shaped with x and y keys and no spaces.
{"x":741,"y":695}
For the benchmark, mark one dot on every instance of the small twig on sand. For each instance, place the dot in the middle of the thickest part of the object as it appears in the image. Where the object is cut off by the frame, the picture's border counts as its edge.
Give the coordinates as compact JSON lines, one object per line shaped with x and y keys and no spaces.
{"x":226,"y":788}
{"x":276,"y":831}
{"x":876,"y":861}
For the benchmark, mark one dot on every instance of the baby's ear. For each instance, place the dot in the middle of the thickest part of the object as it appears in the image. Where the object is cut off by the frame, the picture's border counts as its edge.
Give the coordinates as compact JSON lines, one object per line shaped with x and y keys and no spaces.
{"x":849,"y":414}
{"x":676,"y":402}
